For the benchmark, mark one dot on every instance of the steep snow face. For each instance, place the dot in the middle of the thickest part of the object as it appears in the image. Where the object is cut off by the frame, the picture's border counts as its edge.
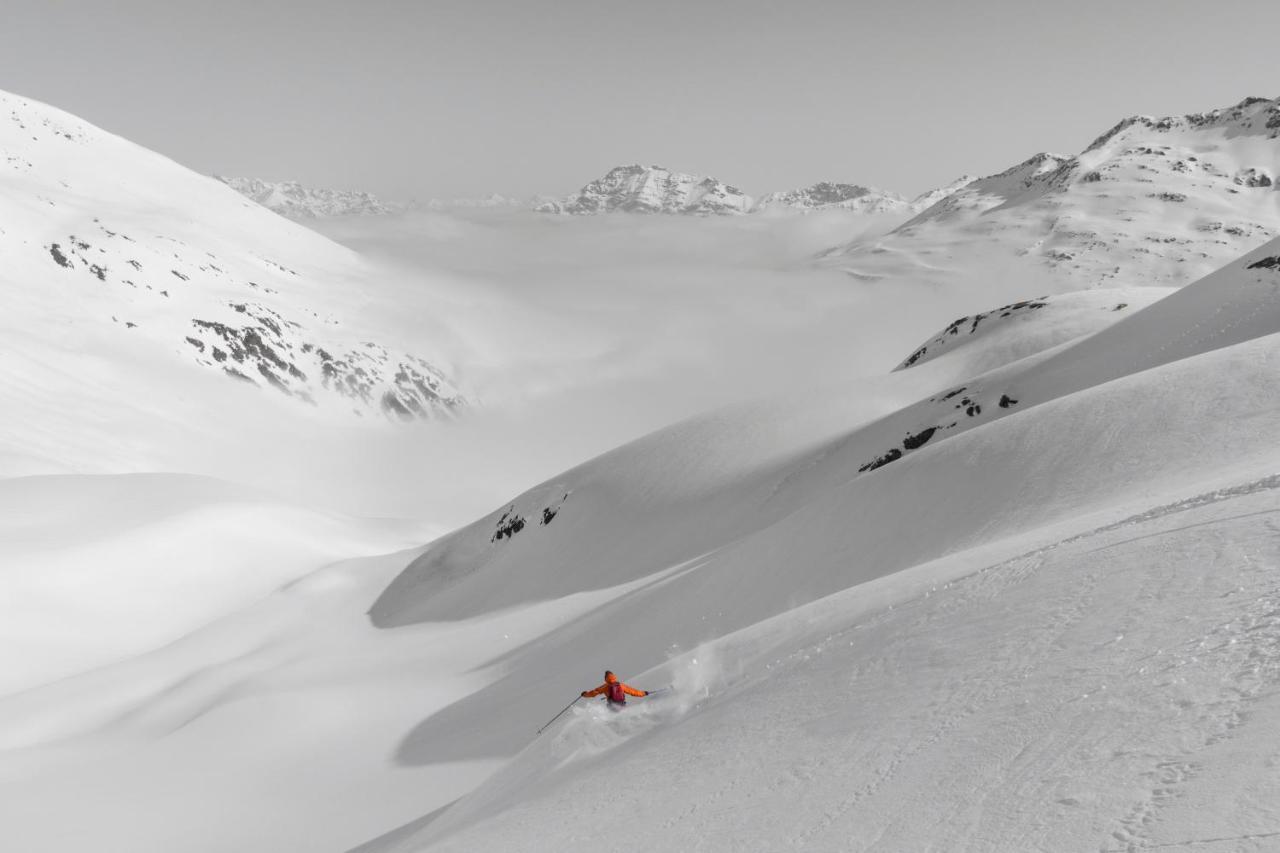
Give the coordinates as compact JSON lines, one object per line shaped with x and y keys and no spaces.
{"x":1153,"y":201}
{"x":131,"y":283}
{"x":653,"y":189}
{"x":761,"y":544}
{"x":826,"y":196}
{"x":291,"y":199}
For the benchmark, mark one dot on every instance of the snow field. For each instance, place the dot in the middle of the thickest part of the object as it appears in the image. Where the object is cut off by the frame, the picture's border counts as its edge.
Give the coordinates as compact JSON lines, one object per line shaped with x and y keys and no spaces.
{"x":1081,"y":696}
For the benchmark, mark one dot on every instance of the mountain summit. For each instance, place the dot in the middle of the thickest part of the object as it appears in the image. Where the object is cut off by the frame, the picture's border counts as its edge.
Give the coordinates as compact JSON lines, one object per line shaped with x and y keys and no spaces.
{"x":653,"y":189}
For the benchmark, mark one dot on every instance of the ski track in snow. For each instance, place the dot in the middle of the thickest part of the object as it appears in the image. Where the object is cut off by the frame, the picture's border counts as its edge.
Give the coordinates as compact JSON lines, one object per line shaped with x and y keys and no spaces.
{"x":1070,"y":695}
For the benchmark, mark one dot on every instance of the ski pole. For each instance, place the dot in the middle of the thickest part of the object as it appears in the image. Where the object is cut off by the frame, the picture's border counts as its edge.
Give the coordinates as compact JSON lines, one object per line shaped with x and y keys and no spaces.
{"x":558,"y":716}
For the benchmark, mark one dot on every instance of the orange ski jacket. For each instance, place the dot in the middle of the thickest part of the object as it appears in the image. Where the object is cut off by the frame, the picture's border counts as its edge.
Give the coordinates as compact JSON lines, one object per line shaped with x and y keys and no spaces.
{"x":610,"y":678}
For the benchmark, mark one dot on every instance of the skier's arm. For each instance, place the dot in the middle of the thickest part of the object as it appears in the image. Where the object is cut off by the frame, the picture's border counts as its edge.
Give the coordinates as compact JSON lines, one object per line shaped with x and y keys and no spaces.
{"x":631,"y":691}
{"x":587,"y":694}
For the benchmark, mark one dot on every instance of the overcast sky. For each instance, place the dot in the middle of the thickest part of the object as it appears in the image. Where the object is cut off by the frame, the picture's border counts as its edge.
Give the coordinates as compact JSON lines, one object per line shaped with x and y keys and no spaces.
{"x":464,"y":97}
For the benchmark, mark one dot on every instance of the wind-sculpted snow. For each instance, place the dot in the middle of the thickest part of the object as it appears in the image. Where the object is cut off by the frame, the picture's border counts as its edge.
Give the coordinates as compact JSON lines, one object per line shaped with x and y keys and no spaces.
{"x":143,"y":262}
{"x":1153,"y":201}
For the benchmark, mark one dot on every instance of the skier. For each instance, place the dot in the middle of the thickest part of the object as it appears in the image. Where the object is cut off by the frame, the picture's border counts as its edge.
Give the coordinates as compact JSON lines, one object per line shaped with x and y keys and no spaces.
{"x":615,"y":691}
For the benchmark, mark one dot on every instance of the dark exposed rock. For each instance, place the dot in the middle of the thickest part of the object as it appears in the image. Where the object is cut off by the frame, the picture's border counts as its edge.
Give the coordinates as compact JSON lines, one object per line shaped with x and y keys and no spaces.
{"x":912,"y":442}
{"x":956,"y":326}
{"x":56,"y":251}
{"x":1270,"y":263}
{"x":881,"y":461}
{"x":1006,"y":401}
{"x":509,"y":525}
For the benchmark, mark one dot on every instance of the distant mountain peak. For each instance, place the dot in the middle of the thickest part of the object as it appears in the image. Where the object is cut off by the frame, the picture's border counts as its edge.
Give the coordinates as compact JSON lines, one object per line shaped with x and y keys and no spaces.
{"x":826,"y":195}
{"x":292,"y":199}
{"x":634,"y":188}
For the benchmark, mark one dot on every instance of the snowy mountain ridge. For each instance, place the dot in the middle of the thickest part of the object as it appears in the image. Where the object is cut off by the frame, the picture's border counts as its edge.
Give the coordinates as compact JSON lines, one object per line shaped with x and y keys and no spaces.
{"x":635,"y":188}
{"x":1160,"y":201}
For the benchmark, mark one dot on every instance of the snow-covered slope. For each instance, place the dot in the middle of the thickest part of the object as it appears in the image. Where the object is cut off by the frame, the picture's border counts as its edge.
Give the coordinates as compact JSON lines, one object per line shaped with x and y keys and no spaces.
{"x":289,"y":198}
{"x":132,"y":285}
{"x":811,"y":615}
{"x":735,"y":523}
{"x":1152,"y":201}
{"x":652,"y":189}
{"x":1025,"y":328}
